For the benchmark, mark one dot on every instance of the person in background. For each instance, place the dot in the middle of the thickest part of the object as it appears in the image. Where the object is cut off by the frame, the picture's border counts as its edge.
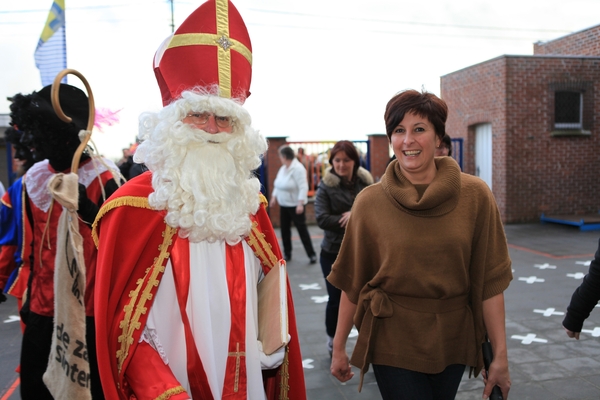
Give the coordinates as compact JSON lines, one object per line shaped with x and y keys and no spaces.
{"x":333,"y":203}
{"x":445,"y":147}
{"x":125,"y":162}
{"x":423,"y":267}
{"x":584,"y":299}
{"x":14,"y":257}
{"x":53,"y":143}
{"x":290,"y":190}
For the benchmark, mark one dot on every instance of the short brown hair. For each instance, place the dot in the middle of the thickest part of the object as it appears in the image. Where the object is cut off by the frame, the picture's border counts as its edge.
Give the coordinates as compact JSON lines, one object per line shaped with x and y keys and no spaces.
{"x":425,"y":104}
{"x":350,"y":150}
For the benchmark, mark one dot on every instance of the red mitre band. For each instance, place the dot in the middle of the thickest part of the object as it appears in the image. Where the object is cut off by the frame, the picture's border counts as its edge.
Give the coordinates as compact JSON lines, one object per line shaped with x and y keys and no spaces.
{"x":212,"y":46}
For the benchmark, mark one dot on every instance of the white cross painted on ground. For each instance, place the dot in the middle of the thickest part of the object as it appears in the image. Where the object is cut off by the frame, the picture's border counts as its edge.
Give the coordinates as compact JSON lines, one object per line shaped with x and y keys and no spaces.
{"x":594,"y":332}
{"x":531,"y":279}
{"x":586,"y":263}
{"x":576,"y":275}
{"x":320,"y":299}
{"x":310,"y":286}
{"x":307,"y":363}
{"x":549,"y":312}
{"x":530,"y":338}
{"x":544,"y":266}
{"x":12,"y":318}
{"x":353,"y":333}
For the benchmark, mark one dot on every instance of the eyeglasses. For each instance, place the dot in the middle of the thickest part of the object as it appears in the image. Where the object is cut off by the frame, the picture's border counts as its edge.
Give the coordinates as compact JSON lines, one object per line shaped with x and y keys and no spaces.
{"x":201,"y":118}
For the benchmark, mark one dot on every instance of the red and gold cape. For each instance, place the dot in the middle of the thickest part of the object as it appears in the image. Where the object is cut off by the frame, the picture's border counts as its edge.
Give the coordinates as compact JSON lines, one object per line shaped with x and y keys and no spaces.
{"x":134,"y":244}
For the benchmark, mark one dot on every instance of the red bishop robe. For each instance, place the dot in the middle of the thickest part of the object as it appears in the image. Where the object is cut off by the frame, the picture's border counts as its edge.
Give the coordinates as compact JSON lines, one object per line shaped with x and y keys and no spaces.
{"x":134,"y":245}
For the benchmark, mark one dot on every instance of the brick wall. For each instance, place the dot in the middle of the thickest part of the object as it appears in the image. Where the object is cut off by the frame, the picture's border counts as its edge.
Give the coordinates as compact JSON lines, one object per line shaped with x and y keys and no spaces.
{"x":379,"y":147}
{"x":533,"y":172}
{"x":582,"y":43}
{"x":475,"y":95}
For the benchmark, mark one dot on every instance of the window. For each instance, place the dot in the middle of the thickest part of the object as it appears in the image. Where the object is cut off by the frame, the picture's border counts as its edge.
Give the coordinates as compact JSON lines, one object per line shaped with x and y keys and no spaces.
{"x":568,"y":110}
{"x":571,"y":108}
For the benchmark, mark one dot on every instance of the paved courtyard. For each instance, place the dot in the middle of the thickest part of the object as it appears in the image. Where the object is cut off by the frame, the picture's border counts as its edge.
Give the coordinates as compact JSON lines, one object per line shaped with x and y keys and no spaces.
{"x":549,"y":262}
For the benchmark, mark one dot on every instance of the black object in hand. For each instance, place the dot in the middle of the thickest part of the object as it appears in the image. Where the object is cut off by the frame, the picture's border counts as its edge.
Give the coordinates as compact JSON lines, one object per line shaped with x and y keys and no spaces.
{"x":488,"y":356}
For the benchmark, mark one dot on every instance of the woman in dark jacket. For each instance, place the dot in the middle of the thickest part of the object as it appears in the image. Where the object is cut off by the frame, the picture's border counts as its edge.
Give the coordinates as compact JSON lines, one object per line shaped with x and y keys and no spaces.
{"x":335,"y":196}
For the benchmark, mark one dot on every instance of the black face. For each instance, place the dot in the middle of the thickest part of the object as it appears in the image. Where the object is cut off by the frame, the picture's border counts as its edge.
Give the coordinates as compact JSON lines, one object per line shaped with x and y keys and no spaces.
{"x":56,"y":145}
{"x":13,"y":136}
{"x":43,"y":133}
{"x":26,"y":142}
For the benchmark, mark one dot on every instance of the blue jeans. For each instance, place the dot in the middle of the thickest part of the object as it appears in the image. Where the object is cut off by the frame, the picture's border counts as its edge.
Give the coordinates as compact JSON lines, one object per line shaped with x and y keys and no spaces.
{"x":403,"y":384}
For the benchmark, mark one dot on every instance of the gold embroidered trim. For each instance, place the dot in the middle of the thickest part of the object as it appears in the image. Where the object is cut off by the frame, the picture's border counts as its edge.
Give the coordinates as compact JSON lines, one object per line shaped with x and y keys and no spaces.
{"x":171,"y":392}
{"x":131,"y":323}
{"x":209,"y":39}
{"x":262,"y":249}
{"x":14,"y":283}
{"x":284,"y":385}
{"x":262,"y":199}
{"x":131,"y":201}
{"x":224,"y":55}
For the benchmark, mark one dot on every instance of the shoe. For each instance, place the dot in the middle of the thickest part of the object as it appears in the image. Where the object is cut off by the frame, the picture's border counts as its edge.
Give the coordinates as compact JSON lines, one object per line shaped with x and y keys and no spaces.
{"x":313,"y":259}
{"x":287,"y":258}
{"x":330,"y":346}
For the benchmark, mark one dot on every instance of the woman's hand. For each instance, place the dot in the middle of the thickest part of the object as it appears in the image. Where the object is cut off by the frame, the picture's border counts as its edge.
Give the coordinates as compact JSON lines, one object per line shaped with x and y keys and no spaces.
{"x":497,"y":375}
{"x":299,"y":209}
{"x":572,"y":334}
{"x":494,"y":317}
{"x":340,"y":365}
{"x":344,"y":219}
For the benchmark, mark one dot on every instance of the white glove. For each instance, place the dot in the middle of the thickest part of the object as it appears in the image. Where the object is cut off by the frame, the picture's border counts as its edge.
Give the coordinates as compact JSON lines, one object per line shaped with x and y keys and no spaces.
{"x":271,"y":361}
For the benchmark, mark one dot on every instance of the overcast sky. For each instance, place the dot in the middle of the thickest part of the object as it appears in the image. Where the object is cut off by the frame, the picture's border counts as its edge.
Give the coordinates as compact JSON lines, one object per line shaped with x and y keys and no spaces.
{"x":322,"y":69}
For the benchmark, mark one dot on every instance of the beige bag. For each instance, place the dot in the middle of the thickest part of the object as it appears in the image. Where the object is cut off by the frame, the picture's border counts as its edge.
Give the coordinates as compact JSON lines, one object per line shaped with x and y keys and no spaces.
{"x":68,"y":373}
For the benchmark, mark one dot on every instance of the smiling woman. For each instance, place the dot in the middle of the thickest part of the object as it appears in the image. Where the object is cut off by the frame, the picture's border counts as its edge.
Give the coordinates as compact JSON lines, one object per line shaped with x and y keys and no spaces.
{"x":415,"y":126}
{"x":425,"y":256}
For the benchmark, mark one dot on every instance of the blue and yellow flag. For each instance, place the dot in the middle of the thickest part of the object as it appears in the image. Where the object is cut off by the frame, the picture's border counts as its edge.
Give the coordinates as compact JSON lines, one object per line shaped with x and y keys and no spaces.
{"x":51,"y":51}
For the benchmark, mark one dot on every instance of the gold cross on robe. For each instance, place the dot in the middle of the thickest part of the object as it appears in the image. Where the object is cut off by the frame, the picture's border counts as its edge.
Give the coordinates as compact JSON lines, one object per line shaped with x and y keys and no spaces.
{"x":237,"y":354}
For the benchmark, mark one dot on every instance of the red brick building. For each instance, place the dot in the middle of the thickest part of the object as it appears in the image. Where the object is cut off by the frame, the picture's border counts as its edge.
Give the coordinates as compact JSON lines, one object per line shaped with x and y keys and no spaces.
{"x":530,"y":126}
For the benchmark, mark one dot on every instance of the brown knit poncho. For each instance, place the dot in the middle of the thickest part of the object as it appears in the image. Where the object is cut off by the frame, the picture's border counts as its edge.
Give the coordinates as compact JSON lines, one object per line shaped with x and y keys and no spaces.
{"x":419,"y":261}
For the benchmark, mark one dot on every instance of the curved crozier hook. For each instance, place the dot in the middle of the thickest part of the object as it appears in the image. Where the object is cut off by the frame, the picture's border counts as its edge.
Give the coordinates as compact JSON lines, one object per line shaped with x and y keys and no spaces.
{"x":59,"y":112}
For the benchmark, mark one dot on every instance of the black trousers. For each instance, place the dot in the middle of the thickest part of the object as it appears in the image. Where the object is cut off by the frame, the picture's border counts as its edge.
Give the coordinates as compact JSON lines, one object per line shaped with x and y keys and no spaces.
{"x":403,"y":384}
{"x":333,"y":304}
{"x":287,"y":215}
{"x":35,"y":350}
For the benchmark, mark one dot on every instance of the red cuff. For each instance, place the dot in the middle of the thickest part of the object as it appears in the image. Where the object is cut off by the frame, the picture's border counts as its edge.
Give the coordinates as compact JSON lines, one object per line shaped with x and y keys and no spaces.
{"x":149,"y":377}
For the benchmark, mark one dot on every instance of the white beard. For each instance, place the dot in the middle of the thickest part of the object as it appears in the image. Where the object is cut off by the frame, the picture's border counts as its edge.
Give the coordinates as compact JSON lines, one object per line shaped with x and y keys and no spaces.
{"x":207,"y":188}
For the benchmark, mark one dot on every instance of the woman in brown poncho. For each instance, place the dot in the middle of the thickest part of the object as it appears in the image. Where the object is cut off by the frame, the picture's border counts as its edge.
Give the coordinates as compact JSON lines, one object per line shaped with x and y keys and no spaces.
{"x":423,"y":267}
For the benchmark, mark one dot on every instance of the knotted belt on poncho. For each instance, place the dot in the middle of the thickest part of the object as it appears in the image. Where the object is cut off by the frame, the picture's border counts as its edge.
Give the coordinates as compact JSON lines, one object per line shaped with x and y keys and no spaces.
{"x":378,"y":305}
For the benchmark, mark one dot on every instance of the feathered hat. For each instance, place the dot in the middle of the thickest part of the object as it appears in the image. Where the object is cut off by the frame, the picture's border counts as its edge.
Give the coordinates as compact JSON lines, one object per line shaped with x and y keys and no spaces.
{"x":211,"y":47}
